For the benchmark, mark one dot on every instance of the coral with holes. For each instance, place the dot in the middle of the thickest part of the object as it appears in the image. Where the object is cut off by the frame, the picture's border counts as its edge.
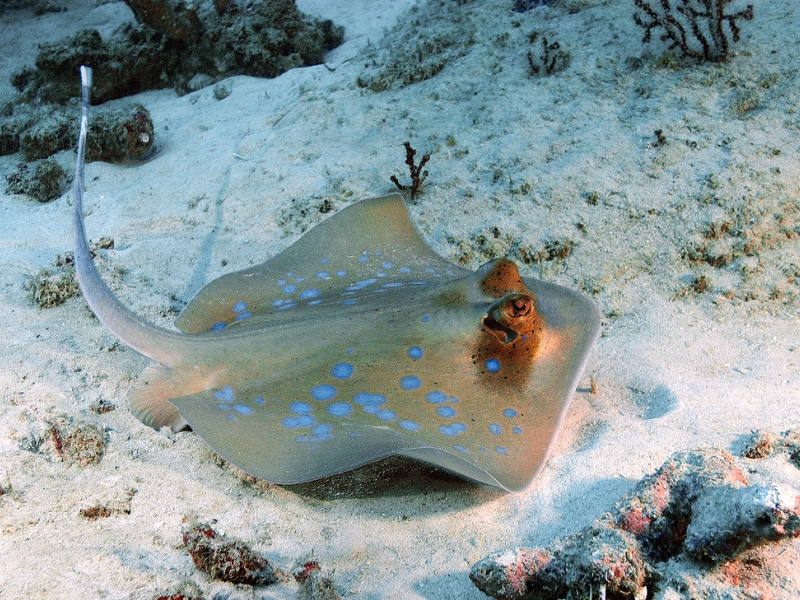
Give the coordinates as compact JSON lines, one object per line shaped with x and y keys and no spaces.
{"x":116,"y":134}
{"x":700,"y":29}
{"x":43,"y":180}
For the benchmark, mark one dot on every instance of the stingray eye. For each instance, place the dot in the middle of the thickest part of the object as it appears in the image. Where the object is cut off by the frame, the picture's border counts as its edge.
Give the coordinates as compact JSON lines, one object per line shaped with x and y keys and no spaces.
{"x":518,"y":306}
{"x":510,"y":316}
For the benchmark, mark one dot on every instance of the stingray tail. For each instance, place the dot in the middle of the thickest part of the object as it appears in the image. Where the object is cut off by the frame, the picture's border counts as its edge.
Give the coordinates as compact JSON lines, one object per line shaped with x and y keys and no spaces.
{"x":154,"y":342}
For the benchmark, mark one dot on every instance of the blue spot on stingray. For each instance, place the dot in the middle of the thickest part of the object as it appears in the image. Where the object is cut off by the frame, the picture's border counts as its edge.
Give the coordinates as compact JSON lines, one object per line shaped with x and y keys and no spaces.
{"x":244,"y":315}
{"x":446,"y":411}
{"x":386,"y":415}
{"x":408,"y":425}
{"x":452,"y":429}
{"x":314,"y":302}
{"x":459,"y":448}
{"x":325,"y":261}
{"x":415,"y":352}
{"x":224,"y":406}
{"x":342,"y":370}
{"x":299,"y":279}
{"x":363,"y":259}
{"x":453,"y":399}
{"x":360,"y":285}
{"x":405,"y":269}
{"x":300,"y":408}
{"x":493,"y":365}
{"x":226,"y":394}
{"x":510,"y":413}
{"x":339,"y":409}
{"x":294,"y":422}
{"x":500,"y":450}
{"x":367,"y":399}
{"x":349,"y":302}
{"x":242,"y":409}
{"x":219,"y":326}
{"x":349,"y":351}
{"x":387,"y":265}
{"x":239,"y":307}
{"x":436,"y":397}
{"x":410,"y":382}
{"x":393,"y":285}
{"x":287,"y":305}
{"x":281,"y":282}
{"x":306,"y":294}
{"x":380,"y":274}
{"x":494,"y":428}
{"x":323,"y":391}
{"x":279,"y":302}
{"x":323,"y":275}
{"x":289,"y":289}
{"x":258,"y":400}
{"x":341,"y":273}
{"x":426,"y":318}
{"x":321,"y":431}
{"x":516,"y":430}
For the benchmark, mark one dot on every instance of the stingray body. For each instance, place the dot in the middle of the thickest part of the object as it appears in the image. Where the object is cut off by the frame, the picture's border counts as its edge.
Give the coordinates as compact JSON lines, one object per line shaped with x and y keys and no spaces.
{"x":355,"y":343}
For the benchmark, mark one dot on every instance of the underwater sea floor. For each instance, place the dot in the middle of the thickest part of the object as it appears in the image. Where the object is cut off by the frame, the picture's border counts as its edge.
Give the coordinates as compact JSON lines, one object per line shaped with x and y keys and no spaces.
{"x":666,"y":190}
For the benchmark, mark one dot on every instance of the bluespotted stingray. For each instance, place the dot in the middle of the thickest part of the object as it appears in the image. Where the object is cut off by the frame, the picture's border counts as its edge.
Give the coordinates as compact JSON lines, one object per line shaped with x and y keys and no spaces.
{"x":356,"y":343}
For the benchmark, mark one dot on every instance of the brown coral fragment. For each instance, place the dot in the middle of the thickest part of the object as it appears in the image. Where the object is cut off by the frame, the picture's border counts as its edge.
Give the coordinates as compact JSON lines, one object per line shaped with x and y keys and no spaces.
{"x":415,"y":170}
{"x":227,"y":559}
{"x":103,"y":511}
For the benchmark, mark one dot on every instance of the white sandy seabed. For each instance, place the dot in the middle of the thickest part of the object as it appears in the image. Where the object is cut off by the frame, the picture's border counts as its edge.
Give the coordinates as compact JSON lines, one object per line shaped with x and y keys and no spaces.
{"x":516,"y":162}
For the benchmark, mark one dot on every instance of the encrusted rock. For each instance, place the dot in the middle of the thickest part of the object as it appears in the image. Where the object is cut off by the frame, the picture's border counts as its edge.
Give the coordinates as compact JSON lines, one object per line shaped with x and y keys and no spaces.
{"x":697,"y":507}
{"x":601,"y":560}
{"x":659,"y":509}
{"x":507,"y":574}
{"x":726,"y":521}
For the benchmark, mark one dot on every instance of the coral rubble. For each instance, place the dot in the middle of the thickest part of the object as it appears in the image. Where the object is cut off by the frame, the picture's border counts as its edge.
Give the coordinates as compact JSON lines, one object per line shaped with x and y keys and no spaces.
{"x":227,"y":559}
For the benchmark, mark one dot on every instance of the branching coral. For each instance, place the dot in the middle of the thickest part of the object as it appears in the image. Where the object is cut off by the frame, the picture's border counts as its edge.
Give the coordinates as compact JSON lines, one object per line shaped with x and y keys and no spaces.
{"x":701,"y":29}
{"x":417,"y":174}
